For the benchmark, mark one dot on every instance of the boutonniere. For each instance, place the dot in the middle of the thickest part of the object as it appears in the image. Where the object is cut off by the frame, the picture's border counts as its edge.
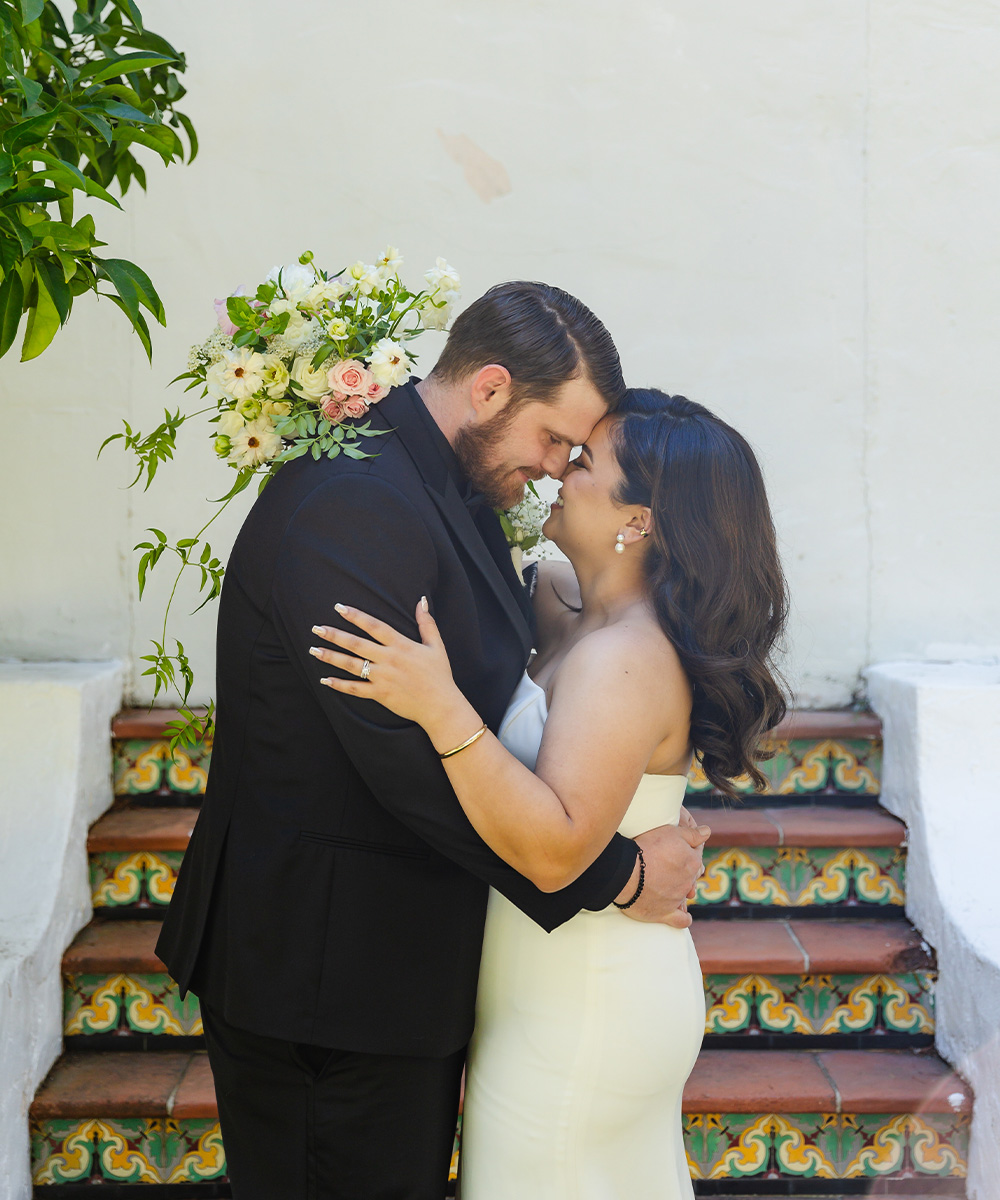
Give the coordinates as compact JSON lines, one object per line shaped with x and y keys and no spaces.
{"x":522,"y":527}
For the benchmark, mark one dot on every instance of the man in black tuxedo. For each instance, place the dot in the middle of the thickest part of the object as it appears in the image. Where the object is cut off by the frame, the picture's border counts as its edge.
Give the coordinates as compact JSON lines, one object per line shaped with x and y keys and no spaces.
{"x":329,"y":912}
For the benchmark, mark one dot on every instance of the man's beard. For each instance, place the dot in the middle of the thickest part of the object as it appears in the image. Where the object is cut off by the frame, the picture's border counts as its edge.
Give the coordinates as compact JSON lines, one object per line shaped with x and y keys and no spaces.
{"x":474,"y":448}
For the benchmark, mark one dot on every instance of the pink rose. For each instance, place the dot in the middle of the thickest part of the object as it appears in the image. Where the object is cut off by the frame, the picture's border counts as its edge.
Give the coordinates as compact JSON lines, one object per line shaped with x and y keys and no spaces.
{"x":333,"y":408}
{"x":350,"y":377}
{"x":354,"y":406}
{"x":221,"y":312}
{"x":376,"y":392}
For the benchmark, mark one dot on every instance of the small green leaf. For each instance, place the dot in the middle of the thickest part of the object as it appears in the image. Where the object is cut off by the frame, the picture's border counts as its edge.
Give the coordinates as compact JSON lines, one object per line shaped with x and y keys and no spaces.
{"x":108,"y":68}
{"x":55,"y":284}
{"x":31,"y":10}
{"x":125,"y":112}
{"x":97,"y":123}
{"x":192,"y":136}
{"x":43,"y":322}
{"x":11,"y":306}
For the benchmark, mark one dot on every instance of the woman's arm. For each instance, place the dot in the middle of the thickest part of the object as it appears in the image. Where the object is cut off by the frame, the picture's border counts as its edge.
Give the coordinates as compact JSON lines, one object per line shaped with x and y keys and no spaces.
{"x":616,"y":693}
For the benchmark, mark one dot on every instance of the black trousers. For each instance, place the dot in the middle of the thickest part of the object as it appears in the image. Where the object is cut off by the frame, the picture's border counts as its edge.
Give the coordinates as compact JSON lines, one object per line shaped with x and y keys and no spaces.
{"x":302,"y":1122}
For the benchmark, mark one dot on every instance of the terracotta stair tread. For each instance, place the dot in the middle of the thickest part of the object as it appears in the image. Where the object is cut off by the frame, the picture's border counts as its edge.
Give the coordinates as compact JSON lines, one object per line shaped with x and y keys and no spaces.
{"x":803,"y":723}
{"x":800,"y":825}
{"x":861,"y":1081}
{"x":112,"y":1085}
{"x":114,"y":946}
{"x":132,"y":829}
{"x":889,"y":1081}
{"x":845,"y":947}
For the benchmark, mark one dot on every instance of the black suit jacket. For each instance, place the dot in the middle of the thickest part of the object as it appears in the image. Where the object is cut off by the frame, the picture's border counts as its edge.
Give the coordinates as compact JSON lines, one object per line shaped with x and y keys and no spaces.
{"x":334,"y":892}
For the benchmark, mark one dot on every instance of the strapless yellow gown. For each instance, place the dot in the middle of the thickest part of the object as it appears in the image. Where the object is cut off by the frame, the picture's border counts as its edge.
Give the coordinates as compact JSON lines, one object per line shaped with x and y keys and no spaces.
{"x":584,"y":1037}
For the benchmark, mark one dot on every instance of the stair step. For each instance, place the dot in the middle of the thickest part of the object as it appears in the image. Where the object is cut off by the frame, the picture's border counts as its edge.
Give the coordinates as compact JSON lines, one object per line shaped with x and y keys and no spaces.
{"x":833,"y":753}
{"x":132,"y":829}
{"x":764,"y":1114}
{"x":811,"y":856}
{"x":808,"y":825}
{"x":825,"y":1081}
{"x":786,"y":947}
{"x":820,"y":857}
{"x":853,"y":982}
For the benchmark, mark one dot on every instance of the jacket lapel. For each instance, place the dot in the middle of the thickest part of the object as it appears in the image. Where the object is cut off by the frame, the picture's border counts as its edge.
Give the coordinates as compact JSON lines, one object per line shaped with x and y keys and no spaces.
{"x":459,"y":520}
{"x":400,"y":413}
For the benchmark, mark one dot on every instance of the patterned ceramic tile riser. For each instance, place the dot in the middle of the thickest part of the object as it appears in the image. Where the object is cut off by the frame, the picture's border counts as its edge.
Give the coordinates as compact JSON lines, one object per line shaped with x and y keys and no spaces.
{"x":826,"y":1146}
{"x":131,"y":1004}
{"x":142,"y":766}
{"x":784,"y":876}
{"x":127,"y":1150}
{"x":144,"y":879}
{"x":719,"y":1146}
{"x":800,"y":767}
{"x":128,"y":1004}
{"x":800,"y":877}
{"x":823,"y":1005}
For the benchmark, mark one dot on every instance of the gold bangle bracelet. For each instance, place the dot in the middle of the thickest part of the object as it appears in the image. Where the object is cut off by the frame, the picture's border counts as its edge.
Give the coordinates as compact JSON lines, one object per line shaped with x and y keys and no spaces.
{"x":467,"y":743}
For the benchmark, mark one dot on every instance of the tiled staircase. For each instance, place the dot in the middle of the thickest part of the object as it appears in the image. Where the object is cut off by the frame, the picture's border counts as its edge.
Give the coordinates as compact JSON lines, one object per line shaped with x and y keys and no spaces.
{"x":818,"y":1075}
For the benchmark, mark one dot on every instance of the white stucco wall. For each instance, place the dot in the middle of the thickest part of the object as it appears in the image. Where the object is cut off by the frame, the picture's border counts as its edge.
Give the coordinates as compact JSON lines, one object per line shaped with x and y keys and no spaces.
{"x":785,"y":211}
{"x":940,"y":723}
{"x":55,"y":767}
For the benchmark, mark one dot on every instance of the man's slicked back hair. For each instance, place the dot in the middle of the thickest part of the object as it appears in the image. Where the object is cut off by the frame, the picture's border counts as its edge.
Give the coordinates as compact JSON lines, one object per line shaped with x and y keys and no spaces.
{"x":541,"y":334}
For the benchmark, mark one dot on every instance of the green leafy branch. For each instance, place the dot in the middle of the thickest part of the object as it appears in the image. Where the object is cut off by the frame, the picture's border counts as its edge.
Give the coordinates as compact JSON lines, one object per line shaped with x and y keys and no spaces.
{"x":75,"y":100}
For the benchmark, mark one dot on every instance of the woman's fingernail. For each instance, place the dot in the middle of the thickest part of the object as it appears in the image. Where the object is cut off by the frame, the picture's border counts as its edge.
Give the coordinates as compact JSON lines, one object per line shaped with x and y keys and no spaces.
{"x":423,"y":604}
{"x":328,"y":682}
{"x":704,"y":831}
{"x":315,"y":651}
{"x":340,"y":607}
{"x":320,"y":629}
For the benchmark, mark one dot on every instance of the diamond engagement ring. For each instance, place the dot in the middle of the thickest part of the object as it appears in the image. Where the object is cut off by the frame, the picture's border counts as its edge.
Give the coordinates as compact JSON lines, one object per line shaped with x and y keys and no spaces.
{"x":366,"y":670}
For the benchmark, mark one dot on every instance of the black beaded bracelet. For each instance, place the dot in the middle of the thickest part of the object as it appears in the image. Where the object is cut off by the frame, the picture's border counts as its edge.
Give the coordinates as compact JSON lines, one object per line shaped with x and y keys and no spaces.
{"x":642,"y":882}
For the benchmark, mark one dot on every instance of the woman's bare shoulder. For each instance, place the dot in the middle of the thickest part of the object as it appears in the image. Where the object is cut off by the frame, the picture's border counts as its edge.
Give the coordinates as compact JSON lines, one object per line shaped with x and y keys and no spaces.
{"x":635,"y":652}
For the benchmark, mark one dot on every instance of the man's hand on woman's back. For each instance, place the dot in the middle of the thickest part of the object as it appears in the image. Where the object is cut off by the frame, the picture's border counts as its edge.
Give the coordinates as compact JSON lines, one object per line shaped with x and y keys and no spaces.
{"x":673,"y":855}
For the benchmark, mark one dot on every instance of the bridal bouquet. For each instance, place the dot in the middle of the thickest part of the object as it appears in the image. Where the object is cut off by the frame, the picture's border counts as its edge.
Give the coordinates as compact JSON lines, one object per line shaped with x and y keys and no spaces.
{"x":295,"y":365}
{"x":292,"y":367}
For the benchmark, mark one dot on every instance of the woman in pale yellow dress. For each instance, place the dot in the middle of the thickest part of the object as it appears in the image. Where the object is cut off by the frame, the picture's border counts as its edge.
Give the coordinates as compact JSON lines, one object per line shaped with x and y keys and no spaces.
{"x":654,"y":643}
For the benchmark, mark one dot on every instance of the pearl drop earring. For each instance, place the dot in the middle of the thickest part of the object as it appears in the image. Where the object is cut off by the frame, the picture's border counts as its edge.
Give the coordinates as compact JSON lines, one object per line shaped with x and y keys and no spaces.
{"x":620,"y":544}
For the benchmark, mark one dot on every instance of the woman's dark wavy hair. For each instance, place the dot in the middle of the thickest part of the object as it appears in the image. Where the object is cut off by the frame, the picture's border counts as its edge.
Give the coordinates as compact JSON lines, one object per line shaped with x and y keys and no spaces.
{"x":714,"y":575}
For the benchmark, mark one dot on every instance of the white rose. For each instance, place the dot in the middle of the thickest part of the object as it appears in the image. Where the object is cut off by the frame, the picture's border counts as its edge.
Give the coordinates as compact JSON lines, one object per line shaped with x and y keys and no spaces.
{"x":296,"y":280}
{"x":299,"y":326}
{"x":337,"y":328}
{"x":275,"y":376}
{"x":434,"y":317}
{"x":389,"y":363}
{"x":443,"y":278}
{"x":326,"y":291}
{"x":276,"y":408}
{"x":256,"y":443}
{"x":230,"y":423}
{"x":313,"y":385}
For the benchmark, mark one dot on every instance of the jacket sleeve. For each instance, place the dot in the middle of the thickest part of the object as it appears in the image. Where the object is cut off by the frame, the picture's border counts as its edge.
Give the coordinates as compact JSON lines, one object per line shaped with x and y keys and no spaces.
{"x":334,"y":550}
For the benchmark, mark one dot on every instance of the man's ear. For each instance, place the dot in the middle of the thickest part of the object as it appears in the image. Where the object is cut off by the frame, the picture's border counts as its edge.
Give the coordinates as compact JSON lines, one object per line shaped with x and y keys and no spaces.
{"x":489,"y":390}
